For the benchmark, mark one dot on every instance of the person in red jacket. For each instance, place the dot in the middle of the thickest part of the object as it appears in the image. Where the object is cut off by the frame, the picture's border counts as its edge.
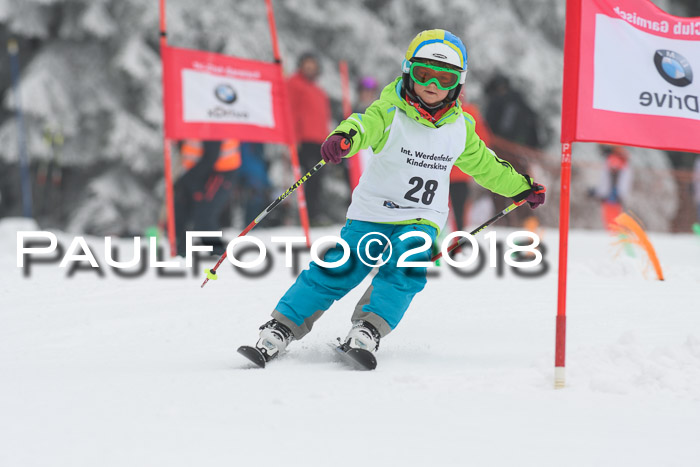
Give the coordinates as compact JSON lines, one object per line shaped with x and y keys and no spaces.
{"x":312,"y":114}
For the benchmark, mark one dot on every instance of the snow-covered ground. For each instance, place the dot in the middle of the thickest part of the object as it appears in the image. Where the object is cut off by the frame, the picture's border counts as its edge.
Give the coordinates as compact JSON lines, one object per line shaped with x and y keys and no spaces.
{"x":143,"y":372}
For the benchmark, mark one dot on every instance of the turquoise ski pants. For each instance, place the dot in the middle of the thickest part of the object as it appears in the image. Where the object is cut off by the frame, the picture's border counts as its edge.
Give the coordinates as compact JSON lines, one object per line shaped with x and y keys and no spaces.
{"x":392,"y":289}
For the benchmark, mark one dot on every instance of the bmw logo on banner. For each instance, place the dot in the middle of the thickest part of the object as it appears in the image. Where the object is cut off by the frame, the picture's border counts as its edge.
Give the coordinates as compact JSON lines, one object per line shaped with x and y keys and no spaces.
{"x":673,"y":67}
{"x":225,"y":94}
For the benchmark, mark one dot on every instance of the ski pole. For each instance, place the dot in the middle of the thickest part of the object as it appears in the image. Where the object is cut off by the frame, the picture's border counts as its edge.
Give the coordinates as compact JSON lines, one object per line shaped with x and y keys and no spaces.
{"x":463,"y":240}
{"x":211,"y":273}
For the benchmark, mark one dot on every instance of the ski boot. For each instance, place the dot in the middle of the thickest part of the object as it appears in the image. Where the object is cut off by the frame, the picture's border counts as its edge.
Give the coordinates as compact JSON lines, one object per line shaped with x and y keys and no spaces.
{"x":274,"y":338}
{"x":360,"y":345}
{"x":363,"y":336}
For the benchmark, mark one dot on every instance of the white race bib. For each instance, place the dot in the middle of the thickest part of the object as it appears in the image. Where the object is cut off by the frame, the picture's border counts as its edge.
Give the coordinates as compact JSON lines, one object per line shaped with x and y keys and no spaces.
{"x":410,"y":177}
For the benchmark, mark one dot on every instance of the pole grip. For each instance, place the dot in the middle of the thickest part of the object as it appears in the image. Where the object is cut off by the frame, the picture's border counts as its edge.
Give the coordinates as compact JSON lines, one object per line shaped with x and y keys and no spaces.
{"x":347,"y":142}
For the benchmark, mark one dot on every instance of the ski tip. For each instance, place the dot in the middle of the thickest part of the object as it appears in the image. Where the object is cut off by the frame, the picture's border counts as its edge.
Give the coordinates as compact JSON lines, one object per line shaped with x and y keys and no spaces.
{"x":359,"y":358}
{"x":252,"y":354}
{"x":366,"y":358}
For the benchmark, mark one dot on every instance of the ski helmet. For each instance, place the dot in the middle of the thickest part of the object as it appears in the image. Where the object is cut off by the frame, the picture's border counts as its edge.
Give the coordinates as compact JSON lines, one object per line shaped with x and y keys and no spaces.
{"x":440,"y":46}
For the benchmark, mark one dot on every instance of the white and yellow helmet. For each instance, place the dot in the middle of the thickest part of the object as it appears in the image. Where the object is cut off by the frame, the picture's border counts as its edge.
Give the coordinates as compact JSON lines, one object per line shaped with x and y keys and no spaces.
{"x":438,"y":45}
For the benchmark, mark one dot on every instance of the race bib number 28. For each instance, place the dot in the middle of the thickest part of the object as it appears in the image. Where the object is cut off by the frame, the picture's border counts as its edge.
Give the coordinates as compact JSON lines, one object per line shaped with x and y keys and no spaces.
{"x":428,"y":190}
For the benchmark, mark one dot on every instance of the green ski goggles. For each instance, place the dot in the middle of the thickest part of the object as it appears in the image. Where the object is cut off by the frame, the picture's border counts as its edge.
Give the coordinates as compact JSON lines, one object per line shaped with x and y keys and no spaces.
{"x":444,"y":78}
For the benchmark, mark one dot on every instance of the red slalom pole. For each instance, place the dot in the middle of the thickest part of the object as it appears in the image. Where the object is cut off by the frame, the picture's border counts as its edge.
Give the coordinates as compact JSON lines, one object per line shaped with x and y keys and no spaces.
{"x":293,"y":151}
{"x":345,"y":87}
{"x":167,"y":144}
{"x":564,"y":203}
{"x":273,"y":30}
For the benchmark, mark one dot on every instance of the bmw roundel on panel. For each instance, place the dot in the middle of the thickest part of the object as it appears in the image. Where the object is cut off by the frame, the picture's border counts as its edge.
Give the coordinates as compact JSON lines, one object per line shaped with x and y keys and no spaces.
{"x":673,"y":67}
{"x":225,"y":93}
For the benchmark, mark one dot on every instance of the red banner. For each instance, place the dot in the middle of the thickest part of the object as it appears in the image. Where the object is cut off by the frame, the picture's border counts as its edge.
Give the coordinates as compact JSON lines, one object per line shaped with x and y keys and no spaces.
{"x":631,"y":75}
{"x":210,"y":96}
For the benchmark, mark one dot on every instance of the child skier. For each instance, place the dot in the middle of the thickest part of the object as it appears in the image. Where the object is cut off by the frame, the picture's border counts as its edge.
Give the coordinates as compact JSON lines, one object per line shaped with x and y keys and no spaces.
{"x":417,"y":132}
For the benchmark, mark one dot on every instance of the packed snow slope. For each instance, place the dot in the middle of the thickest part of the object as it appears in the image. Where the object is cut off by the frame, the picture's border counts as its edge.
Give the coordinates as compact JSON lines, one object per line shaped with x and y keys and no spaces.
{"x":108,"y":371}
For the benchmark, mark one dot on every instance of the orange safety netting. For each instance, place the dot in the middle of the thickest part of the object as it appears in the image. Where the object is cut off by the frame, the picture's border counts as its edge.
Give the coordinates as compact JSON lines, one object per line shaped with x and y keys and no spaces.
{"x":631,"y":232}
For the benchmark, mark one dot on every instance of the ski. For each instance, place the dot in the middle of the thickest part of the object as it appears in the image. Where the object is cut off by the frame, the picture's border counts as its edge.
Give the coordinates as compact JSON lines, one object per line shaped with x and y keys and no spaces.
{"x":253,"y":354}
{"x":357,"y":358}
{"x":360,"y":359}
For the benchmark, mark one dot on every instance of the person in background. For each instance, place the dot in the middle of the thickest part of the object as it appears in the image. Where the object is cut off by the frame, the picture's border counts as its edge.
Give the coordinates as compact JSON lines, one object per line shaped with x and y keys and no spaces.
{"x":615,"y":184}
{"x":510,"y":117}
{"x":204,"y":189}
{"x":252,"y":182}
{"x":459,"y":181}
{"x":367,"y":92}
{"x":312,"y":115}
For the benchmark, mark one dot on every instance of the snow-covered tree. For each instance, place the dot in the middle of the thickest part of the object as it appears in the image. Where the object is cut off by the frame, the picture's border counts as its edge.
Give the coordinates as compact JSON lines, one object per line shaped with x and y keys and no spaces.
{"x":91,"y":68}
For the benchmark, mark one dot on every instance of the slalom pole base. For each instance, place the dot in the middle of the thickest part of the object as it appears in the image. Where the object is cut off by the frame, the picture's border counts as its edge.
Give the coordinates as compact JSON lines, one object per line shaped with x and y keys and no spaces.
{"x":559,"y":378}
